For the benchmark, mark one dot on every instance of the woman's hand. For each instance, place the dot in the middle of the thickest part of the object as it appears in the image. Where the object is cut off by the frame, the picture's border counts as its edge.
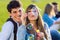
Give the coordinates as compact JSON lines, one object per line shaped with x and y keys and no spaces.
{"x":40,"y":35}
{"x":23,"y":18}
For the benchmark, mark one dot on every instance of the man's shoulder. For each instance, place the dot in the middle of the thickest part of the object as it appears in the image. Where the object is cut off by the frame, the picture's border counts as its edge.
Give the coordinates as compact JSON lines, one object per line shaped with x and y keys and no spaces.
{"x":8,"y":24}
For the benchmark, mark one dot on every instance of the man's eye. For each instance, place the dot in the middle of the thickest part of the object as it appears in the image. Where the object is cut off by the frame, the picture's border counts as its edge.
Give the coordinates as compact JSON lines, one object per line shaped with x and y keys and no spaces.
{"x":19,"y":10}
{"x":14,"y":12}
{"x":34,"y":11}
{"x":29,"y":11}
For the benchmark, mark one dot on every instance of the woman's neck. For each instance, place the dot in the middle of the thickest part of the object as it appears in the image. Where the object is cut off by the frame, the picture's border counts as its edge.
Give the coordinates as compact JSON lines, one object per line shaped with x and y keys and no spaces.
{"x":52,"y":14}
{"x":34,"y":24}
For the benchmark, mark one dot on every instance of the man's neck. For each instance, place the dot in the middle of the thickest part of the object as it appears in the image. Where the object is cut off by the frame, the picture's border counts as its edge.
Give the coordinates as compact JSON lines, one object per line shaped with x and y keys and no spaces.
{"x":16,"y":21}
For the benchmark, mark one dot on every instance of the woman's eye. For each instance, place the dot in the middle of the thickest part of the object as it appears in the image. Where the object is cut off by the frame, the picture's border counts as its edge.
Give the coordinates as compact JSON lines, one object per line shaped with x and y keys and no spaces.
{"x":19,"y":10}
{"x":29,"y":11}
{"x":34,"y":11}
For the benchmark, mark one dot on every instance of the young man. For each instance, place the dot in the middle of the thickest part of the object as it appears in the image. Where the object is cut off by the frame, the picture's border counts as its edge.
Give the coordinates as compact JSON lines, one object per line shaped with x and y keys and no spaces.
{"x":55,"y":8}
{"x":9,"y":29}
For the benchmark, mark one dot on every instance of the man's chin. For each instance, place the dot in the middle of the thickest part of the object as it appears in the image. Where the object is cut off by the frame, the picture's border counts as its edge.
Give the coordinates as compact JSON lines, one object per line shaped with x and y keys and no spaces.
{"x":19,"y":20}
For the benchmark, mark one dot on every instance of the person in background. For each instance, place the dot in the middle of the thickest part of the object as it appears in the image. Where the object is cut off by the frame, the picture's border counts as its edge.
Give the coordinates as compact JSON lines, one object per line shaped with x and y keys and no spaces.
{"x":48,"y":18}
{"x":55,"y":4}
{"x":55,"y":30}
{"x":49,"y":14}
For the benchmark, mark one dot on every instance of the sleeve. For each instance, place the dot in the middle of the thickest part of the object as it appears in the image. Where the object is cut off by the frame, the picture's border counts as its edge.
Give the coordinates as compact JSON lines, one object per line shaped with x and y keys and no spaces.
{"x":47,"y":31}
{"x":48,"y":20}
{"x":6,"y":31}
{"x":21,"y":33}
{"x":58,"y":20}
{"x":55,"y":27}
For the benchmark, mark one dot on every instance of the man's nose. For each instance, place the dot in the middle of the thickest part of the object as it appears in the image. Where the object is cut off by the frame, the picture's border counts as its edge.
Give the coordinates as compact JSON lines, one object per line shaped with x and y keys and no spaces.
{"x":19,"y":14}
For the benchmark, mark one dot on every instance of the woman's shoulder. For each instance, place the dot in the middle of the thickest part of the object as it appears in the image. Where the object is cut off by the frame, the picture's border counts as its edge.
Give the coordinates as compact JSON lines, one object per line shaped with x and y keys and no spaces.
{"x":45,"y":17}
{"x":46,"y":26}
{"x":22,"y":28}
{"x":45,"y":14}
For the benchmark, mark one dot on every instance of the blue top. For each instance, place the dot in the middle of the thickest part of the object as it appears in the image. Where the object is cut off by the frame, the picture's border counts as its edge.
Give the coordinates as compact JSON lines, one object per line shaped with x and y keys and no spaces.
{"x":48,"y":19}
{"x":22,"y":32}
{"x":54,"y":18}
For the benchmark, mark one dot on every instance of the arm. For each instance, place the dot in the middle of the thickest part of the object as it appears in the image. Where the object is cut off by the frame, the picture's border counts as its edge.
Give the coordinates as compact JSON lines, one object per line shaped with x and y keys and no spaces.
{"x":48,"y":20}
{"x":56,"y":25}
{"x":6,"y":31}
{"x":47,"y":31}
{"x":57,"y":21}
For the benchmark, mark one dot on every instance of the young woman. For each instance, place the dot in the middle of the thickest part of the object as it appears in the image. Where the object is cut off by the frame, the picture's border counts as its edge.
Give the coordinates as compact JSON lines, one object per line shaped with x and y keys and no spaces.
{"x":49,"y":15}
{"x":34,"y":18}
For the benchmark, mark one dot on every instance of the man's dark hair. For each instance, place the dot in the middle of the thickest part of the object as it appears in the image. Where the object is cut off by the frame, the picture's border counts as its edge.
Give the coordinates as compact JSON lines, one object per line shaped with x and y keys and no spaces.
{"x":54,"y":3}
{"x":13,"y":4}
{"x":58,"y":14}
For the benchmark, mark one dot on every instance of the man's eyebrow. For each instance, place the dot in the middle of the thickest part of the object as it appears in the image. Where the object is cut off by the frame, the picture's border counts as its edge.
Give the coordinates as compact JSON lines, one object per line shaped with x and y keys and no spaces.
{"x":14,"y":11}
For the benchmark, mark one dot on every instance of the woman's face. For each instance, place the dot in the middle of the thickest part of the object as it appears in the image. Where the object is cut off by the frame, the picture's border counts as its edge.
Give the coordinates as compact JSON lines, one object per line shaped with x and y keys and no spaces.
{"x":32,"y":14}
{"x":53,"y":12}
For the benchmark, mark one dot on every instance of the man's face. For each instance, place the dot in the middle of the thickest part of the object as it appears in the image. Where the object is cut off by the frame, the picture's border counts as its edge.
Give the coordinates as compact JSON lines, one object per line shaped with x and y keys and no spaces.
{"x":55,"y":8}
{"x":16,"y":14}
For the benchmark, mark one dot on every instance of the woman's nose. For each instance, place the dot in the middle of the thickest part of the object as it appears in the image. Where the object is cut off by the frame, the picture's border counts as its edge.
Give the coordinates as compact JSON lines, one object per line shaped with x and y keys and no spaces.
{"x":33,"y":13}
{"x":19,"y":13}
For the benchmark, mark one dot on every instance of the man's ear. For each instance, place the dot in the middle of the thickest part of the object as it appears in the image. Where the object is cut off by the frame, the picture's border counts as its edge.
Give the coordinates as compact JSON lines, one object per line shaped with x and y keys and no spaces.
{"x":10,"y":14}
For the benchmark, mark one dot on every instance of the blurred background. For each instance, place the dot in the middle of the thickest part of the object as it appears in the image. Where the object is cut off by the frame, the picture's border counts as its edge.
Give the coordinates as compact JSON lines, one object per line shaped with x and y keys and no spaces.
{"x":40,"y":3}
